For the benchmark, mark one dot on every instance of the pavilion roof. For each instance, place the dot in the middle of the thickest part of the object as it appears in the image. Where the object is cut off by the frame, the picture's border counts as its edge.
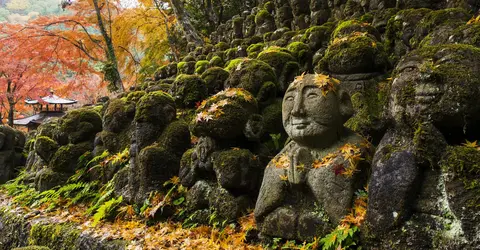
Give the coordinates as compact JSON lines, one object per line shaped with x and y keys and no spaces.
{"x":52,"y":99}
{"x":38,"y":118}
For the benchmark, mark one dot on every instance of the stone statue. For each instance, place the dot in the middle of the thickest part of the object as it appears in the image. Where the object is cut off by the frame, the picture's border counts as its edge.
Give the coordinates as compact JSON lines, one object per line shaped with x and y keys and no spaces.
{"x":309,"y":186}
{"x":435,"y":109}
{"x":221,"y":171}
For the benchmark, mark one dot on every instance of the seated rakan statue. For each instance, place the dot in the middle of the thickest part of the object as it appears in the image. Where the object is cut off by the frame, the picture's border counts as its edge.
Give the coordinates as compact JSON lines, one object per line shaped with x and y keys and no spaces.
{"x":309,"y":187}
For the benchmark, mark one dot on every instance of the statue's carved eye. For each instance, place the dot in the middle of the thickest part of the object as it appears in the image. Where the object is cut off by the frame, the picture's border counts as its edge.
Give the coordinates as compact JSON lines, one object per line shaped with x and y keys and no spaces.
{"x":408,"y":69}
{"x":312,"y":95}
{"x":289,"y":98}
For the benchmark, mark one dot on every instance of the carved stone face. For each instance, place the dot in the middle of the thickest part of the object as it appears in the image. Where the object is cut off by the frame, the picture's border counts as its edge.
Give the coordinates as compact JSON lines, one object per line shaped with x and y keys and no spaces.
{"x":311,"y":116}
{"x":437,"y":84}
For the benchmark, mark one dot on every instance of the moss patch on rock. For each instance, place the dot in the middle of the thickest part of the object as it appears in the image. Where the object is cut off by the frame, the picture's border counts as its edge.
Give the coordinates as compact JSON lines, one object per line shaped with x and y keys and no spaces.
{"x":150,"y":107}
{"x":215,"y":79}
{"x":45,"y":147}
{"x":188,"y":90}
{"x":80,"y":125}
{"x":251,"y":75}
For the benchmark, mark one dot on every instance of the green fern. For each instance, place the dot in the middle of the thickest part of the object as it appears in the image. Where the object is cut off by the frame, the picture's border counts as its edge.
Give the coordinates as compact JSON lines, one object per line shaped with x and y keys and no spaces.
{"x":88,"y":192}
{"x":106,"y":193}
{"x":107,"y":210}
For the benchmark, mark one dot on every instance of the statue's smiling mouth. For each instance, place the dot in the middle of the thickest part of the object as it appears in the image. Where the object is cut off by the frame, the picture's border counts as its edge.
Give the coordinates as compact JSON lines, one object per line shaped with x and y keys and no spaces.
{"x":300,"y":123}
{"x":427,"y":93}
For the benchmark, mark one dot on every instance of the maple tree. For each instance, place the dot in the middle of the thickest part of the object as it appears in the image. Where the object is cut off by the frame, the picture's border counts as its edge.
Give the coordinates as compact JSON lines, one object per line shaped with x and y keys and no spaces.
{"x":32,"y":65}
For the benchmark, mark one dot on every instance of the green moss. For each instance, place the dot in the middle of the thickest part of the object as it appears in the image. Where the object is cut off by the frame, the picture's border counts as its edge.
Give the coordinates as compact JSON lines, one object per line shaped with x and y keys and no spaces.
{"x":119,"y":113}
{"x":157,"y":165}
{"x":201,"y":66}
{"x":47,"y":128}
{"x":29,"y":145}
{"x":115,"y":142}
{"x":57,"y":236}
{"x":254,"y":49}
{"x":275,"y":56}
{"x":289,"y":35}
{"x":269,"y":6}
{"x":296,"y":47}
{"x":216,"y":61}
{"x":176,"y":137}
{"x":135,"y":96}
{"x":325,"y":28}
{"x":267,"y":37}
{"x":272,"y":118}
{"x":453,"y":17}
{"x":369,"y":106}
{"x":80,"y":124}
{"x":221,"y":46}
{"x":161,"y":72}
{"x":284,"y":64}
{"x":236,"y":42}
{"x":150,"y":105}
{"x":188,"y":58}
{"x":186,"y":160}
{"x":188,"y":90}
{"x":455,"y":74}
{"x":366,"y":18}
{"x":300,"y":51}
{"x":397,"y":23}
{"x":98,"y":108}
{"x":261,"y":16}
{"x":356,"y":54}
{"x":186,"y":67}
{"x":267,"y":92}
{"x":463,"y":164}
{"x":232,"y":64}
{"x":65,"y":158}
{"x":346,"y":28}
{"x":230,"y":118}
{"x":31,"y":248}
{"x":231,"y":54}
{"x":251,"y":75}
{"x":45,"y":147}
{"x":215,"y":79}
{"x":235,"y":158}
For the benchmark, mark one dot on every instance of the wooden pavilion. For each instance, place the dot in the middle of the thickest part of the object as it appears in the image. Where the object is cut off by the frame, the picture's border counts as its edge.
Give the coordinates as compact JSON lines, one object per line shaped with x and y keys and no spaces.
{"x":44,"y":108}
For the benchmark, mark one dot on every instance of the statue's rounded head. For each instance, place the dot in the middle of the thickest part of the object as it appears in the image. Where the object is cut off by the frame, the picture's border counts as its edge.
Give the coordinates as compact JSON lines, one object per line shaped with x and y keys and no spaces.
{"x":439,"y":84}
{"x":314,"y":109}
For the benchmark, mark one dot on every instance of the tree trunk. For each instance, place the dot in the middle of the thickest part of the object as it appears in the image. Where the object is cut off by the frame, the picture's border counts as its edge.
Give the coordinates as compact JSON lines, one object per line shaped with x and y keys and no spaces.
{"x":167,"y":29}
{"x":112,"y":75}
{"x":211,"y":15}
{"x":11,"y":103}
{"x":191,"y":33}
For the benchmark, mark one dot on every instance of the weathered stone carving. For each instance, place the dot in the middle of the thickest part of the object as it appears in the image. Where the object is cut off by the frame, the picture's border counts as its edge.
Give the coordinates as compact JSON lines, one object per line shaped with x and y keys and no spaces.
{"x":434,"y":109}
{"x":310,"y":185}
{"x":221,"y":172}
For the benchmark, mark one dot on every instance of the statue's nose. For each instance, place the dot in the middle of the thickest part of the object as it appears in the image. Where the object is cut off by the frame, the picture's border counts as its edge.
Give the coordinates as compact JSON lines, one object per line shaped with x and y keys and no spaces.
{"x":298,"y":106}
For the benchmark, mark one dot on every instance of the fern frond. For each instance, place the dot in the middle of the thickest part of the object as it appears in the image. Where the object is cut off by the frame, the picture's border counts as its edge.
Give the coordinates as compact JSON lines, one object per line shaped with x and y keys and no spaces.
{"x":107,"y":210}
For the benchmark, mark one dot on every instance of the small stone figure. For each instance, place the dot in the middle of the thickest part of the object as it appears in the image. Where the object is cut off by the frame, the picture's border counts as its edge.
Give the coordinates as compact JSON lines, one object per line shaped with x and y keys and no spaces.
{"x":222,"y":173}
{"x":309,"y":186}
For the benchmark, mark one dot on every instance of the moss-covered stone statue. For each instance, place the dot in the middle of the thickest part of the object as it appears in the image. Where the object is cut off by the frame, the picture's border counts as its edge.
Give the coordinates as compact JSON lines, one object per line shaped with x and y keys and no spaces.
{"x":416,"y":182}
{"x":284,"y":64}
{"x":222,"y":172}
{"x":264,"y":22}
{"x":255,"y":76}
{"x":309,"y":186}
{"x":59,"y":144}
{"x":157,"y":143}
{"x":355,"y":55}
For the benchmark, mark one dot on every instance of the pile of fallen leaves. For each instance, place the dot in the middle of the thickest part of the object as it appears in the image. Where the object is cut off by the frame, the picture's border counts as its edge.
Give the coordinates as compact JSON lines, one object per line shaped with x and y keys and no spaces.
{"x":163,"y":235}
